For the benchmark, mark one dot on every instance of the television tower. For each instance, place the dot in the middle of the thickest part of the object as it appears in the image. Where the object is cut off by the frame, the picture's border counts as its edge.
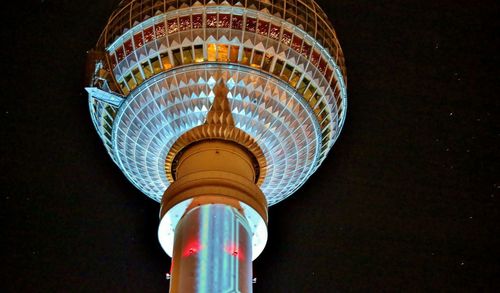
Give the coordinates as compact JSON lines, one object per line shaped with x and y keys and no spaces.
{"x":217,"y":109}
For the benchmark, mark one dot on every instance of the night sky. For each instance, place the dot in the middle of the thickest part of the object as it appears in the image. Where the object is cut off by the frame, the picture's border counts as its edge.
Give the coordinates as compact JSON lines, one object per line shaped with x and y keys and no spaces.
{"x":407,"y":201}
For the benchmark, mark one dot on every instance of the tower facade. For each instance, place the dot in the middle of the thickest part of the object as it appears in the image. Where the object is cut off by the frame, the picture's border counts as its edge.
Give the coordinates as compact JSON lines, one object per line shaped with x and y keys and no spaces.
{"x":217,"y":109}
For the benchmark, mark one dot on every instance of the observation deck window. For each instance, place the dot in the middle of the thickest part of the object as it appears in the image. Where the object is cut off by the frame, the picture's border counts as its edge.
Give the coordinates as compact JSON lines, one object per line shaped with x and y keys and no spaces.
{"x":222,"y":53}
{"x":257,"y":58}
{"x":120,"y":54}
{"x":211,"y":52}
{"x":172,"y":25}
{"x":251,"y":24}
{"x":263,"y":28}
{"x":155,"y":63}
{"x":165,"y":61}
{"x":149,"y":34}
{"x":303,"y":85}
{"x":146,"y":68}
{"x":124,"y":88}
{"x":128,"y":47}
{"x":187,"y":54}
{"x":274,"y":32}
{"x":211,"y":20}
{"x":294,"y":80}
{"x":184,"y":23}
{"x":278,"y":67}
{"x":130,"y":81}
{"x":233,"y":56}
{"x":287,"y":72}
{"x":137,"y":75}
{"x":224,"y":20}
{"x":138,"y":41}
{"x":297,"y":43}
{"x":268,"y":59}
{"x":237,"y":22}
{"x":197,"y":21}
{"x":247,"y":54}
{"x":306,"y":49}
{"x":315,"y":58}
{"x":160,"y":30}
{"x":286,"y":38}
{"x":198,"y":53}
{"x":177,"y":57}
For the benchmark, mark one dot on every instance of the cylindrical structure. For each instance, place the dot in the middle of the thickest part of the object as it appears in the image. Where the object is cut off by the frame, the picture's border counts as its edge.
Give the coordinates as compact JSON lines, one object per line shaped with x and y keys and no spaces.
{"x":214,"y":237}
{"x":212,"y":251}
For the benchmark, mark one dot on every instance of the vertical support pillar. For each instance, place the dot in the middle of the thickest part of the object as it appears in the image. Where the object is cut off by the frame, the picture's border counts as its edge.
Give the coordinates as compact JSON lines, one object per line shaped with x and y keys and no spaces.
{"x":212,"y":251}
{"x":213,"y":239}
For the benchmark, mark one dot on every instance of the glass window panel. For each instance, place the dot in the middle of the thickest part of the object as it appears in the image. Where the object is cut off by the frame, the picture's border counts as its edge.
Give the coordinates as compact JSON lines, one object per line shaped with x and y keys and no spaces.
{"x":146,"y":68}
{"x":247,"y":54}
{"x":211,"y":52}
{"x":237,"y":22}
{"x":165,"y":61}
{"x":268,"y":59}
{"x":197,"y":21}
{"x":222,"y":53}
{"x":155,"y":63}
{"x":212,"y":20}
{"x":177,"y":58}
{"x":274,"y":32}
{"x":128,"y":47}
{"x":187,"y":54}
{"x":137,"y":74}
{"x":120,"y":54}
{"x":328,"y":73}
{"x":303,"y":85}
{"x":124,"y":88}
{"x":312,"y":102}
{"x":278,"y":67}
{"x":233,"y":56}
{"x":149,"y":34}
{"x":184,"y":23}
{"x":306,"y":49}
{"x":263,"y":27}
{"x":224,"y":20}
{"x":257,"y":58}
{"x":172,"y":25}
{"x":198,"y":53}
{"x":160,"y":30}
{"x":322,"y":65}
{"x":287,"y":72}
{"x":315,"y":57}
{"x":251,"y":24}
{"x":130,"y":81}
{"x":297,"y":43}
{"x":138,"y":42}
{"x":309,"y":92}
{"x":295,"y":78}
{"x":286,"y":38}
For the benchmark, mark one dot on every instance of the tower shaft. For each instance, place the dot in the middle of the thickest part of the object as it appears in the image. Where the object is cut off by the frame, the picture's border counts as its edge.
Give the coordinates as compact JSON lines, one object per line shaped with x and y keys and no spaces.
{"x":213,"y":240}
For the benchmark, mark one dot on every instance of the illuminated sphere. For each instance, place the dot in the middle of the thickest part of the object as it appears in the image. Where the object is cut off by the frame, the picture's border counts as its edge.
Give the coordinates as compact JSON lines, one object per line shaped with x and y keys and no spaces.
{"x":160,"y":60}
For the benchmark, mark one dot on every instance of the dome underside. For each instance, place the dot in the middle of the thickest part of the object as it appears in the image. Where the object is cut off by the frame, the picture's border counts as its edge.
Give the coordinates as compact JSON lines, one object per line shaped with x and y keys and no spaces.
{"x":165,"y":107}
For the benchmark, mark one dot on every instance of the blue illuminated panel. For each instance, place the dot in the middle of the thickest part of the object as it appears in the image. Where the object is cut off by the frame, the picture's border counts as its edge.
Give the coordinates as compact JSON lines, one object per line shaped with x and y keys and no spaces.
{"x":212,"y":251}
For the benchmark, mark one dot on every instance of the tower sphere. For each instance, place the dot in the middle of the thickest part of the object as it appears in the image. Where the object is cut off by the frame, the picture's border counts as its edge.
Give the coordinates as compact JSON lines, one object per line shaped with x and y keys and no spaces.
{"x":159,"y":63}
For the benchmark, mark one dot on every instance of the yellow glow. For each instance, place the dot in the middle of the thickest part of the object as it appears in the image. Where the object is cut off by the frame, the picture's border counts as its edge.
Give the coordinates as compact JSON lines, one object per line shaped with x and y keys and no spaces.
{"x":211,"y":52}
{"x":223,"y":53}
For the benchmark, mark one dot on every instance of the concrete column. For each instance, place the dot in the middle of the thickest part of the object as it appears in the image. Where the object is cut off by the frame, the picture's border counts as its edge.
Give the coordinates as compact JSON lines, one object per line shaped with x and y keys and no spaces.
{"x":212,"y":247}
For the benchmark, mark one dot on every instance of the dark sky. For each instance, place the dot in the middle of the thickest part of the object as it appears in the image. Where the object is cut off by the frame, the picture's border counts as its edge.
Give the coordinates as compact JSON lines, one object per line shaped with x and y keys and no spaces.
{"x":408,"y":199}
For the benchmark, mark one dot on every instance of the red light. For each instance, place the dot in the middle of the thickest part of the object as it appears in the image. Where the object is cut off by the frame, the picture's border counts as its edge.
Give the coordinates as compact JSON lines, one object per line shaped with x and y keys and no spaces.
{"x":234,"y":250}
{"x":191,"y":248}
